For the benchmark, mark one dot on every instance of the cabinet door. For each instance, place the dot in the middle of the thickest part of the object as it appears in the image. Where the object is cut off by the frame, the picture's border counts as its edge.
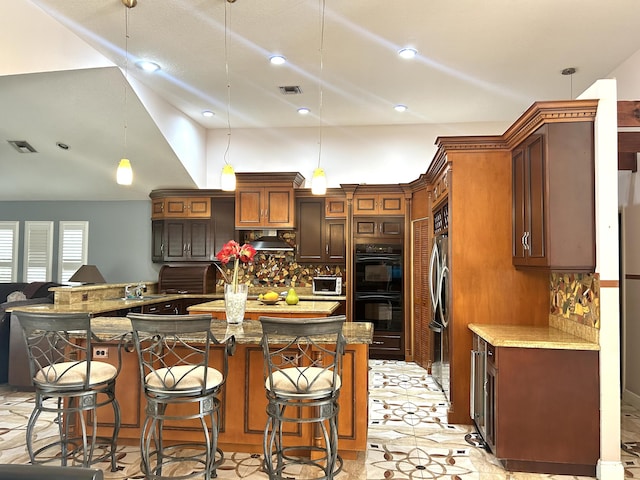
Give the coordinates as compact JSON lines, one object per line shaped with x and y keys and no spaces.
{"x":198,"y":245}
{"x":390,"y":204}
{"x":335,"y":207}
{"x":365,"y":204}
{"x":378,"y":227}
{"x":249,"y":207}
{"x":279,"y":208}
{"x":157,"y":241}
{"x":157,"y":208}
{"x":336,"y":242}
{"x":534,"y":152}
{"x":222,"y":222}
{"x":310,"y":235}
{"x":187,"y":207}
{"x":393,"y":227}
{"x":176,"y":241}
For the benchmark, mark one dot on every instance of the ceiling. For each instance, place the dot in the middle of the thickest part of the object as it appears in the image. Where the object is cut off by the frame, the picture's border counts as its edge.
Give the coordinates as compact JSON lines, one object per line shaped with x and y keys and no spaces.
{"x":63,"y":78}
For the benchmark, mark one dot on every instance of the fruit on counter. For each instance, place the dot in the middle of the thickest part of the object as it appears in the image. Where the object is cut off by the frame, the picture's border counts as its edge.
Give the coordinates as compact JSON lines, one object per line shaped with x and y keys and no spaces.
{"x":292,"y":297}
{"x":270,"y":296}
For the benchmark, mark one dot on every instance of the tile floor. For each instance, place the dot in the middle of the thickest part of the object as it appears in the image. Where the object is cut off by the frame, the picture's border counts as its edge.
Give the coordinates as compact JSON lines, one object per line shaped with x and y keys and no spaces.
{"x":409,"y":438}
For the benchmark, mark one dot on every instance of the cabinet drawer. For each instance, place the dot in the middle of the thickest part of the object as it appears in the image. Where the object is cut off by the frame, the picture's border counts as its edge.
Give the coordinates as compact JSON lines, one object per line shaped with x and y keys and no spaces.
{"x":386,"y":342}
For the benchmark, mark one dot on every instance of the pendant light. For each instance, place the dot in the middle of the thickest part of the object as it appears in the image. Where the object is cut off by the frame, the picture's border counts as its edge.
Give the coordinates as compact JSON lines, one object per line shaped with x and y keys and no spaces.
{"x":124,"y":173}
{"x":319,"y":179}
{"x":228,"y":176}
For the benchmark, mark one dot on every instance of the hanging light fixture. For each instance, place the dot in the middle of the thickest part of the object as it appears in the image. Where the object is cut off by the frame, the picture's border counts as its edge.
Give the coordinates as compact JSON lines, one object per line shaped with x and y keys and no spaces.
{"x":124,"y":173}
{"x":319,"y":179}
{"x":228,"y":176}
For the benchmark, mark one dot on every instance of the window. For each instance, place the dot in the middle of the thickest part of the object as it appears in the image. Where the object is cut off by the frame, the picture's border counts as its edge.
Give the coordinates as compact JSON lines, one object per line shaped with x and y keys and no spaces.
{"x":8,"y":252}
{"x":72,"y":248}
{"x":38,"y":246}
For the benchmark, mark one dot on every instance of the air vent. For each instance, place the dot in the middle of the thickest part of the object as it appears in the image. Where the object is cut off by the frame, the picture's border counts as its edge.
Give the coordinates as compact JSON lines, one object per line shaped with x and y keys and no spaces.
{"x":22,"y":146}
{"x":290,"y":90}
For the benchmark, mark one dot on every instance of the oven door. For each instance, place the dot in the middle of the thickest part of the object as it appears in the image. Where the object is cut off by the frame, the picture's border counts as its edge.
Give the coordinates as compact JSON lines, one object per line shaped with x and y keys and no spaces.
{"x":383,"y":310}
{"x":378,"y":273}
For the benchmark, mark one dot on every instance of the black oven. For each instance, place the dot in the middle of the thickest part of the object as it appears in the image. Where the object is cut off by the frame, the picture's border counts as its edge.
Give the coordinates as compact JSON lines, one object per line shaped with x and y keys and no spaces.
{"x":378,"y":285}
{"x":383,"y":310}
{"x":378,"y":268}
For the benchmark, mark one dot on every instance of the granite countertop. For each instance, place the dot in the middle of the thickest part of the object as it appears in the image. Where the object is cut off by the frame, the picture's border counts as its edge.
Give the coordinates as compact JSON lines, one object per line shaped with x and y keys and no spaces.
{"x":531,"y":337}
{"x":249,"y":332}
{"x":255,"y":306}
{"x":99,"y":306}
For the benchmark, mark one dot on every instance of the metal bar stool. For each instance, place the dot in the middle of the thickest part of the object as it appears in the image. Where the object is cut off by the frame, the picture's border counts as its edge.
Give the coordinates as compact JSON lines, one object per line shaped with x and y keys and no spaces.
{"x":70,"y":384}
{"x":174,"y":353}
{"x":302,"y":369}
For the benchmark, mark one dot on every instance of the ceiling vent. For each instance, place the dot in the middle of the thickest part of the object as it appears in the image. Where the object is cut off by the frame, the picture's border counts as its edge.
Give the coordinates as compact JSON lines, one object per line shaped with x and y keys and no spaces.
{"x":290,"y":90}
{"x":22,"y":146}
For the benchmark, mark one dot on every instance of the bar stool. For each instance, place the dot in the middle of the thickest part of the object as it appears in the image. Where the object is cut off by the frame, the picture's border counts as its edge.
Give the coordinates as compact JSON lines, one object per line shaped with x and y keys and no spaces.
{"x":302,"y":370}
{"x":70,"y":384}
{"x":174,"y":353}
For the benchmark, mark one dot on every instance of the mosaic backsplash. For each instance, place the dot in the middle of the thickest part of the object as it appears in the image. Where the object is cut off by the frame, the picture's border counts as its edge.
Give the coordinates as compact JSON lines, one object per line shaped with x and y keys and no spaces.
{"x":280,"y":269}
{"x":575,"y":297}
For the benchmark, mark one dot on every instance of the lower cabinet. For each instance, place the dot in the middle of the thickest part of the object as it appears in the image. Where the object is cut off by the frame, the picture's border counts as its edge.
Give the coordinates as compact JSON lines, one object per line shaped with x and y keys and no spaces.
{"x":537,"y":409}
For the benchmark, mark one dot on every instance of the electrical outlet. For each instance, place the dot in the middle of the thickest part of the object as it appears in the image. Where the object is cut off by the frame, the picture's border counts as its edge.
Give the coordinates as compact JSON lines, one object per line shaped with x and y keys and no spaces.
{"x":100,"y":352}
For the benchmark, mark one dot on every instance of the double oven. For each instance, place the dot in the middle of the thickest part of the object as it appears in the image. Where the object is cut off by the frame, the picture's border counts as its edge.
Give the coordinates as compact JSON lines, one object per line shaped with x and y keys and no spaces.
{"x":378,"y":295}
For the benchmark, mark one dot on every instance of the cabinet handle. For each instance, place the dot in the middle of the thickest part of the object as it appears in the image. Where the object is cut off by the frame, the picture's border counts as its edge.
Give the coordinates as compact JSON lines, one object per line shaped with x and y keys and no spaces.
{"x":526,"y":241}
{"x":184,"y":247}
{"x":377,"y":342}
{"x":326,"y":248}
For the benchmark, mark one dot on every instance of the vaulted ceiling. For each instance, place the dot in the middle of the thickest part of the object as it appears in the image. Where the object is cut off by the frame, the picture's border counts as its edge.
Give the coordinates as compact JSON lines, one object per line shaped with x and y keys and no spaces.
{"x":62,"y":76}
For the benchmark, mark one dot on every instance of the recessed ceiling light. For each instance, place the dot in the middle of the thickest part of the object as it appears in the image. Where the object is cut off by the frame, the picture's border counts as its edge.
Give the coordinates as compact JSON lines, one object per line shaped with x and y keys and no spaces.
{"x":62,"y":146}
{"x":303,"y":111}
{"x":407,"y":52}
{"x":148,"y":66}
{"x":400,"y":108}
{"x":207,"y":113}
{"x":277,"y":59}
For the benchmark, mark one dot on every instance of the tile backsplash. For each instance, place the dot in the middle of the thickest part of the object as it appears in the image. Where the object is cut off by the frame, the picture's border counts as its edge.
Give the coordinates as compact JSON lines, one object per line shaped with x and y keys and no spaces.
{"x":280,"y":269}
{"x":574,"y":300}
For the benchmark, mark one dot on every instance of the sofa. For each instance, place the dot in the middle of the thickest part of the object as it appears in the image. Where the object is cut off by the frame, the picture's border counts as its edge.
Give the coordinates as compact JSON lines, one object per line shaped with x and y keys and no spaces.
{"x":37,"y":472}
{"x":14,"y":368}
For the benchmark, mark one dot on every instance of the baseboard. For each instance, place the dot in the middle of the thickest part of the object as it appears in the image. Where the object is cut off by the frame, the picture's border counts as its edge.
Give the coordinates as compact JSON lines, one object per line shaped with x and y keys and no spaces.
{"x":631,"y":398}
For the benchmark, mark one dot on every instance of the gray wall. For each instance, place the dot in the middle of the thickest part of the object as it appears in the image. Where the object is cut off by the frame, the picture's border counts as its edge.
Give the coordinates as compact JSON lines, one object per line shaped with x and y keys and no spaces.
{"x":119,"y":234}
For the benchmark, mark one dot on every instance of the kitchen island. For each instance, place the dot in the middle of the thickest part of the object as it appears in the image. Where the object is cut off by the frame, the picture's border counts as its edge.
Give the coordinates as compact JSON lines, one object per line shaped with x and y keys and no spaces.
{"x":255,"y":308}
{"x":243,"y":413}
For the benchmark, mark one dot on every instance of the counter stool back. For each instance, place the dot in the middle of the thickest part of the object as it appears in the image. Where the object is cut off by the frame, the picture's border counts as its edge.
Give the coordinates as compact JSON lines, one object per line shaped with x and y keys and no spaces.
{"x":70,"y":384}
{"x":175,"y":353}
{"x":302,"y":371}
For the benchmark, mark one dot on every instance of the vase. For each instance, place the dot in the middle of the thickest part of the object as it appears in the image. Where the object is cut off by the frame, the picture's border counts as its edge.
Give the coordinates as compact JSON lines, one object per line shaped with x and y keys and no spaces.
{"x":235,"y":302}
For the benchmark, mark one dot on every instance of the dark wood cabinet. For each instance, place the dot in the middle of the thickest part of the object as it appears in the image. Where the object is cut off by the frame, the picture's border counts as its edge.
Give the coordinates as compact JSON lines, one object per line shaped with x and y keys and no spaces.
{"x":266,"y":200}
{"x":378,"y":204}
{"x":541,"y":408}
{"x":319,"y":239}
{"x":187,"y":240}
{"x":192,"y":239}
{"x":423,"y":348}
{"x":378,"y":227}
{"x":268,"y":207}
{"x":554,"y":198}
{"x":181,"y":207}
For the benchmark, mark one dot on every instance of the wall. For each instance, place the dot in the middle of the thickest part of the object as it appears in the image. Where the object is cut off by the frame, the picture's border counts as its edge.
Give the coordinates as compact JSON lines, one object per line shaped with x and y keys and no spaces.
{"x":119,"y":234}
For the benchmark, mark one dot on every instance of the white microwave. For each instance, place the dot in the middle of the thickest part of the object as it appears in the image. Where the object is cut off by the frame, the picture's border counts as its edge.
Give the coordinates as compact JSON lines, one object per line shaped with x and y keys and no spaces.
{"x":327,"y":285}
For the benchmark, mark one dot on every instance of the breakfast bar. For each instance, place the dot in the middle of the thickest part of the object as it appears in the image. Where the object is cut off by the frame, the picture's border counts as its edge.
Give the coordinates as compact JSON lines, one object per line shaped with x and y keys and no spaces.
{"x":243,"y":416}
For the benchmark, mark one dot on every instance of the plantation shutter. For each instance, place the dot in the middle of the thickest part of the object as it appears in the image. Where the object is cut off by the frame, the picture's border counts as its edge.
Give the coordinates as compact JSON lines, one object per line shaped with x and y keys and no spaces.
{"x":8,"y":252}
{"x":73,"y":248}
{"x":38,"y":246}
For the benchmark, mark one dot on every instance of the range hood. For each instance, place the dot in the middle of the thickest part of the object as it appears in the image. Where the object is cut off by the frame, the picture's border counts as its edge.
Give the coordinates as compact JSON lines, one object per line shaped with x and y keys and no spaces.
{"x":270,"y":242}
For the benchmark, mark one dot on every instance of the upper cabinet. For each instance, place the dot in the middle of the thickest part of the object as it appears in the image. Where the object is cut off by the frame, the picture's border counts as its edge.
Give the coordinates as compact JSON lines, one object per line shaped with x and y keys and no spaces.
{"x":553,"y":174}
{"x":190,"y":225}
{"x":181,"y":207}
{"x":378,"y":204}
{"x":266,"y":200}
{"x":321,"y":239}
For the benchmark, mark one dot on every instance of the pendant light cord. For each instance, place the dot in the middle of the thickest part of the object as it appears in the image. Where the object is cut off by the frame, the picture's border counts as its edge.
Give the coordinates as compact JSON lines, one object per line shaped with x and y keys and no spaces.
{"x":227,"y":19}
{"x":322,"y":9}
{"x":126,"y":74}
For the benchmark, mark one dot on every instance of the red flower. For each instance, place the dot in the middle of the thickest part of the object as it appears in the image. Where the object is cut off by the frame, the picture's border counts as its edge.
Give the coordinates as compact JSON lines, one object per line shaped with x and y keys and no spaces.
{"x":233,"y":250}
